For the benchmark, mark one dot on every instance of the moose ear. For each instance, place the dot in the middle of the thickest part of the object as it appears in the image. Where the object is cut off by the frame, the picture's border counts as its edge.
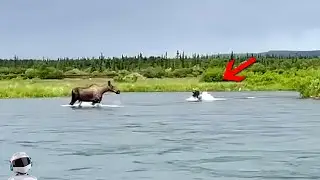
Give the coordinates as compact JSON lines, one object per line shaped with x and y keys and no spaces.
{"x":109,"y":83}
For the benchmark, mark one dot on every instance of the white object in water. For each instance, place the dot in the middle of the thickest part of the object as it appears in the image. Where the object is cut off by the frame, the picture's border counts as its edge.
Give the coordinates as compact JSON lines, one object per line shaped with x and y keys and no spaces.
{"x":193,"y":99}
{"x":204,"y":96}
{"x":88,"y":105}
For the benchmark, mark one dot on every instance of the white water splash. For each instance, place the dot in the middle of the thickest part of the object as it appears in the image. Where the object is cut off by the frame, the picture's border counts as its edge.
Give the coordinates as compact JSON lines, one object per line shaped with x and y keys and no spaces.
{"x":205,"y":96}
{"x":89,"y":105}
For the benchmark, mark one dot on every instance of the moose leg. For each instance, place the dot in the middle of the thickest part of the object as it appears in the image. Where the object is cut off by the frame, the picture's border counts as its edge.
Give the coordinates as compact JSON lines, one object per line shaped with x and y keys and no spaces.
{"x":95,"y":102}
{"x":99,"y":100}
{"x":73,"y":98}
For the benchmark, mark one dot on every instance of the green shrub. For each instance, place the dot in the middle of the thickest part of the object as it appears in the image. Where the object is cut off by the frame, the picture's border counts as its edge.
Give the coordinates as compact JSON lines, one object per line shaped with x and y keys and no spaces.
{"x":51,"y":73}
{"x":75,"y":71}
{"x":152,"y":72}
{"x":32,"y":73}
{"x":110,"y":74}
{"x":130,"y":78}
{"x":181,"y":73}
{"x":212,"y":75}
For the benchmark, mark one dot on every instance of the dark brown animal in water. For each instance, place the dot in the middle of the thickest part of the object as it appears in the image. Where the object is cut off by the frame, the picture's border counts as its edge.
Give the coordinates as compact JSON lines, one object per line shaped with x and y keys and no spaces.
{"x":92,"y":93}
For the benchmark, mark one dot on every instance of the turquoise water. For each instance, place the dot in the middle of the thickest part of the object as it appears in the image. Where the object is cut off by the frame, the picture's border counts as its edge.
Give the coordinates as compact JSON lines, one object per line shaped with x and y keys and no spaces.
{"x":160,"y":136}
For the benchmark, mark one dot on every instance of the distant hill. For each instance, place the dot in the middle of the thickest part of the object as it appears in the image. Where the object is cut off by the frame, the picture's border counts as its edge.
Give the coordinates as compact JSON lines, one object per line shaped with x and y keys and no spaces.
{"x":281,"y":53}
{"x":284,"y":53}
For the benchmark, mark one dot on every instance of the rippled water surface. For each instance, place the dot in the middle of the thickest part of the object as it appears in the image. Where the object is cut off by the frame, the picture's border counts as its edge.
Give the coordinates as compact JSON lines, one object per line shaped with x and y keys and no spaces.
{"x":160,"y":136}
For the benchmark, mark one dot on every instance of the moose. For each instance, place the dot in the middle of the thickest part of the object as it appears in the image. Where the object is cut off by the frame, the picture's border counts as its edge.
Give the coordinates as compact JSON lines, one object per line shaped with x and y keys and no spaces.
{"x":92,"y":93}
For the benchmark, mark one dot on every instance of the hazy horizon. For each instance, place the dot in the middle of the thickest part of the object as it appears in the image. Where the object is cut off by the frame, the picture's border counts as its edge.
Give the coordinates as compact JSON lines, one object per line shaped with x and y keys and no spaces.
{"x":53,"y":29}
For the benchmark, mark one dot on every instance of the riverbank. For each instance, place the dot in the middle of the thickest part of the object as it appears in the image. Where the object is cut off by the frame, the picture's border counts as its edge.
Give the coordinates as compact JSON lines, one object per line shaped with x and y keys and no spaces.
{"x":19,"y":88}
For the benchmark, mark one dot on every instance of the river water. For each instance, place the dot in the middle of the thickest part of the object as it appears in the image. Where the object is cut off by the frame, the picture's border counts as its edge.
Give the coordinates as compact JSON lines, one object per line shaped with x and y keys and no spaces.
{"x":160,"y":136}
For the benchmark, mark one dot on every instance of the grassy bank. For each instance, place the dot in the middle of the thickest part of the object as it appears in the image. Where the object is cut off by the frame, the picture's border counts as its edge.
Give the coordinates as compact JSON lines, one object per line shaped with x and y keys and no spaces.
{"x":19,"y":88}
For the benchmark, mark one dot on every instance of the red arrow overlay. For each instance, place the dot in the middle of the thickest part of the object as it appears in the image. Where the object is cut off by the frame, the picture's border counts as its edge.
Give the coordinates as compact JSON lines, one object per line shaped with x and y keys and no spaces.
{"x":230,"y":74}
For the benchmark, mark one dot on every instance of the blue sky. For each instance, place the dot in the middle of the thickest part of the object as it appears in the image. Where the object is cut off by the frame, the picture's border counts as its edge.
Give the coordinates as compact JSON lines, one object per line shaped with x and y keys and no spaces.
{"x":77,"y":28}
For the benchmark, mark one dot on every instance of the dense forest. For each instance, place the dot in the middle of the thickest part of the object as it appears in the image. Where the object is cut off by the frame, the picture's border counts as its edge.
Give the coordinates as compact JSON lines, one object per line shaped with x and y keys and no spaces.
{"x":149,"y":67}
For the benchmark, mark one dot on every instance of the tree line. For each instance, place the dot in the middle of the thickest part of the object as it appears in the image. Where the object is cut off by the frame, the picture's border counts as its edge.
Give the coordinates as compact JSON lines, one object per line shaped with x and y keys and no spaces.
{"x":179,"y":66}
